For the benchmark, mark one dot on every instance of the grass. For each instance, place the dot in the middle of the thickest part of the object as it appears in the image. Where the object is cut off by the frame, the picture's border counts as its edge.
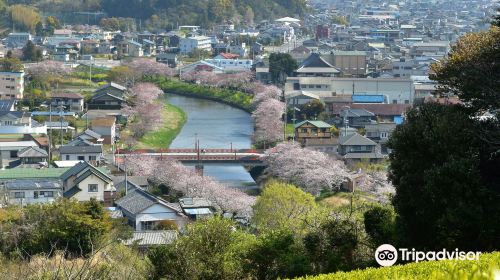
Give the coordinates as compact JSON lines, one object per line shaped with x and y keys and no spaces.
{"x":290,"y":130}
{"x":174,"y":121}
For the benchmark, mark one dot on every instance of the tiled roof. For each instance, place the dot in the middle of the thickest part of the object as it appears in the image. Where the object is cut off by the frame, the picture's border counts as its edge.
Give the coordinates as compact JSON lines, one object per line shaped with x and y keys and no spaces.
{"x":355,"y":140}
{"x":80,"y":149}
{"x":114,"y":85}
{"x":70,"y":95}
{"x":30,"y":152}
{"x":152,"y":237}
{"x":31,"y":173}
{"x":319,"y":124}
{"x":5,"y":105}
{"x":137,"y":200}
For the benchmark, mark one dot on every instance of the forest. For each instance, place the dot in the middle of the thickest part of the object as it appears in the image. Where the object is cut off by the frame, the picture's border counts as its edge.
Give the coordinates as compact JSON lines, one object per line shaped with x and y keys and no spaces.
{"x":150,"y":14}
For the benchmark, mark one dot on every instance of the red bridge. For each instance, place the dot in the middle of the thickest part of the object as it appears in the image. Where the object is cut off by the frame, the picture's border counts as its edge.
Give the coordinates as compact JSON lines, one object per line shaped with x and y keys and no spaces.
{"x":200,"y":156}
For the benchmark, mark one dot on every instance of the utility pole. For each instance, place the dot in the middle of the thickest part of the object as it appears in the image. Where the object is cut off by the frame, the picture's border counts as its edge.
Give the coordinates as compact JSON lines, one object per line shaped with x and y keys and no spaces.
{"x":285,"y":116}
{"x":61,"y":122}
{"x":49,"y":134}
{"x":125,"y":166}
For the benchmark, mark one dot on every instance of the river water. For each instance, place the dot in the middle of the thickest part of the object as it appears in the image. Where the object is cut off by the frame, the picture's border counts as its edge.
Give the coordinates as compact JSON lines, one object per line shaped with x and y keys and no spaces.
{"x":216,"y":125}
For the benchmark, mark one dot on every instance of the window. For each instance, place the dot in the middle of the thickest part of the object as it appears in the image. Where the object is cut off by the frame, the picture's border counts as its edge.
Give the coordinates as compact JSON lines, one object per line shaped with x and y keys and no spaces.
{"x":383,"y":134}
{"x":35,"y":194}
{"x":47,"y":194}
{"x":67,"y":157}
{"x":81,"y":158}
{"x":394,"y":101}
{"x":19,"y":194}
{"x":148,"y":225}
{"x":318,"y":86}
{"x":92,"y":157}
{"x":93,"y":188}
{"x":8,"y":122}
{"x":13,"y":154}
{"x":303,"y":130}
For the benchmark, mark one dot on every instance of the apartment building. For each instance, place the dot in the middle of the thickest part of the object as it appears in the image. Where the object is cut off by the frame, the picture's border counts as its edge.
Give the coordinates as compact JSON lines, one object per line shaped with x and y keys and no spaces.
{"x":11,"y":85}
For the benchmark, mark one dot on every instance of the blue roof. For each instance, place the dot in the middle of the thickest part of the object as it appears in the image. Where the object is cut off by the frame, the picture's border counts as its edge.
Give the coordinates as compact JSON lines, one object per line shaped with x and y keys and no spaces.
{"x":368,"y":99}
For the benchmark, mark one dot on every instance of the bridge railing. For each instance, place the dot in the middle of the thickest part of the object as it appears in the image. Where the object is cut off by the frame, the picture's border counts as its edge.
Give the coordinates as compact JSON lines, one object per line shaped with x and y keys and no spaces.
{"x":202,"y":151}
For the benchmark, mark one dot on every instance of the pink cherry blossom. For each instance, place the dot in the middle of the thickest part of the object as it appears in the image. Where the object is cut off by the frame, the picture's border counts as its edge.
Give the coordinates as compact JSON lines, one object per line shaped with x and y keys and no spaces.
{"x":311,"y":170}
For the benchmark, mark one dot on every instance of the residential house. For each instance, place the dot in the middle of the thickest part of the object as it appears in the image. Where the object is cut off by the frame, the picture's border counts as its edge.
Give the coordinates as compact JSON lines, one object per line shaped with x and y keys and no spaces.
{"x":232,"y":65}
{"x":70,"y":101}
{"x":88,"y":135}
{"x":380,"y":133}
{"x":197,"y":207}
{"x":23,"y":192}
{"x":18,"y":39}
{"x":134,"y":49}
{"x":355,"y":147}
{"x":109,"y":96}
{"x":84,"y":182}
{"x":149,"y":47}
{"x":81,"y":150}
{"x":7,"y":105}
{"x":105,"y":127}
{"x":11,"y":85}
{"x":145,"y":211}
{"x":19,"y":122}
{"x":9,"y":151}
{"x":307,"y":129}
{"x":356,"y":117}
{"x":171,"y":59}
{"x":33,"y":156}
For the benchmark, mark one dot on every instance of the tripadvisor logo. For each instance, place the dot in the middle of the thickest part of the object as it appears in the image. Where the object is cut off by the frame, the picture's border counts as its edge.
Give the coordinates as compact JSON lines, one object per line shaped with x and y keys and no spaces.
{"x":387,"y":255}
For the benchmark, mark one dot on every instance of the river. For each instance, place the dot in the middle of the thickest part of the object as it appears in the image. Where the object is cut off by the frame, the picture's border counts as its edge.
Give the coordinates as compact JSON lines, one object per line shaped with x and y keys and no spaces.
{"x":216,"y":125}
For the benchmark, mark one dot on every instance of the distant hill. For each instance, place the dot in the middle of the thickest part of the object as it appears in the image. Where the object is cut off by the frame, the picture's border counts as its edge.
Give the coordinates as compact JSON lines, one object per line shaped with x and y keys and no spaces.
{"x":168,"y":13}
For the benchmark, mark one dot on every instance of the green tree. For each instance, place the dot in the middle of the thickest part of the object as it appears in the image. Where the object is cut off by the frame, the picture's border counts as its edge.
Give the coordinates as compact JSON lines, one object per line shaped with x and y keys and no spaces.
{"x":438,"y":167}
{"x":283,"y":206}
{"x":31,"y":52}
{"x":11,"y":64}
{"x":67,"y":225}
{"x":276,"y":255}
{"x":281,"y":65}
{"x":336,"y":245}
{"x":380,"y":225}
{"x":312,"y":109}
{"x":211,"y":249}
{"x":472,"y":70}
{"x":52,"y":24}
{"x":39,"y":30}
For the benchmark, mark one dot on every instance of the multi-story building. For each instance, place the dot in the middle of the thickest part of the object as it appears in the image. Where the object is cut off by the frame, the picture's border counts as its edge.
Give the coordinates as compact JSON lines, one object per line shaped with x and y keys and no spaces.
{"x":11,"y":85}
{"x":395,"y":91}
{"x":188,"y":45}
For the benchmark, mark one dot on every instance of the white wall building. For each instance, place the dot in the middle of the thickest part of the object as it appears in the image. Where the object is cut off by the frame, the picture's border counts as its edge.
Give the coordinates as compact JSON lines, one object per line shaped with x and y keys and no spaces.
{"x":188,"y":45}
{"x":395,"y":91}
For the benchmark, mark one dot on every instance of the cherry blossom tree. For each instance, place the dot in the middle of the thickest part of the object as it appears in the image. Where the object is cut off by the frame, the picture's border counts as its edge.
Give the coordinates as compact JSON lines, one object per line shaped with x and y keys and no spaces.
{"x":263,"y":93}
{"x":268,"y":123}
{"x":48,"y":69}
{"x":144,"y":113}
{"x":311,"y":170}
{"x":183,"y":179}
{"x":143,"y":67}
{"x":144,"y":93}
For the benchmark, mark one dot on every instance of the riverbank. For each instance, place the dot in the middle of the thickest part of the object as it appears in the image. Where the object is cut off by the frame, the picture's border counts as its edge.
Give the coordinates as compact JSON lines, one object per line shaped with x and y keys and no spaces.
{"x":233,"y":98}
{"x":174,"y":119}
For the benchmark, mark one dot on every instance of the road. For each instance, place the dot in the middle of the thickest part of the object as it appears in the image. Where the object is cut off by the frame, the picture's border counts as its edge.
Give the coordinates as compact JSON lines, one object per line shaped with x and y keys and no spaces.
{"x":287,"y":47}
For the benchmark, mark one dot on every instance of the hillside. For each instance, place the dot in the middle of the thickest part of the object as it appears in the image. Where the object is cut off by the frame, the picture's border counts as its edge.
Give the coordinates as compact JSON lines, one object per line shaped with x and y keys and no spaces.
{"x":435,"y":270}
{"x":167,"y":13}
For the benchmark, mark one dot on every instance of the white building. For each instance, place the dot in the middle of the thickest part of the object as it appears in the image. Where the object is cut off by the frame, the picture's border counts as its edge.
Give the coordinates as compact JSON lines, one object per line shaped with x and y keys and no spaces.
{"x":229,"y":65}
{"x":188,"y":45}
{"x":11,"y":85}
{"x":395,"y":91}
